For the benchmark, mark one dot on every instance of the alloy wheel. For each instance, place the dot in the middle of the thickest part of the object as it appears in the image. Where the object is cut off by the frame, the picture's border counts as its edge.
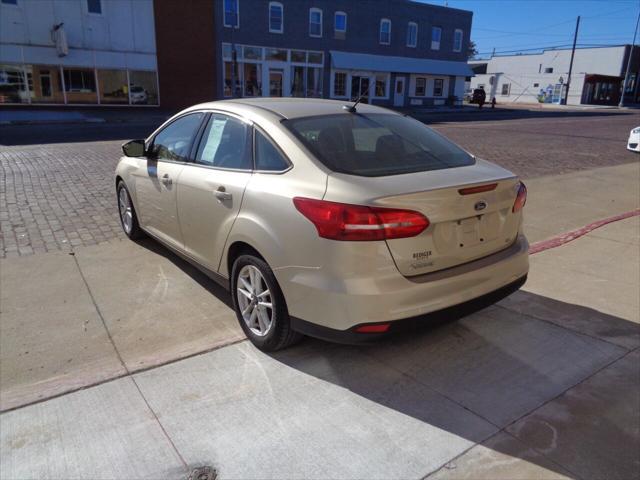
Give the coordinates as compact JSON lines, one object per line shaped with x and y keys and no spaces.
{"x":254,"y":300}
{"x":126,"y":212}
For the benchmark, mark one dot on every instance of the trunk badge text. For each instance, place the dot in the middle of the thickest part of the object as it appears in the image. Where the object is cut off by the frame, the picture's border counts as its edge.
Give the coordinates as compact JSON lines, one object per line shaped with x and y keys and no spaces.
{"x":481,"y":205}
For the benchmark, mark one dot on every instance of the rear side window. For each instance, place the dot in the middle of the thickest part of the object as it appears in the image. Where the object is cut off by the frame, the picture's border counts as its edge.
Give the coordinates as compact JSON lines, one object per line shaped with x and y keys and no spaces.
{"x":173,"y":141}
{"x":226,"y":143}
{"x":268,"y":157}
{"x":375,"y":145}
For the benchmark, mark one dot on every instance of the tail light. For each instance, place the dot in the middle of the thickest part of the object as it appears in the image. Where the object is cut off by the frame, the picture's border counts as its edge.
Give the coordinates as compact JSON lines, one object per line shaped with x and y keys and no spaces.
{"x":341,"y":221}
{"x":521,"y":198}
{"x":373,"y":328}
{"x":479,"y":189}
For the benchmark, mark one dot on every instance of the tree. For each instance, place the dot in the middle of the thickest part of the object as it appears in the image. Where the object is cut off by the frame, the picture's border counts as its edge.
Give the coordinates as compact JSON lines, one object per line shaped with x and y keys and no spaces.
{"x":472,"y":50}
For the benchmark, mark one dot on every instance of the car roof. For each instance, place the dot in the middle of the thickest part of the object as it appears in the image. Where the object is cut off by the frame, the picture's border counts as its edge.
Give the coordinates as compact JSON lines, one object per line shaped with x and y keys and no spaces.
{"x":288,"y":107}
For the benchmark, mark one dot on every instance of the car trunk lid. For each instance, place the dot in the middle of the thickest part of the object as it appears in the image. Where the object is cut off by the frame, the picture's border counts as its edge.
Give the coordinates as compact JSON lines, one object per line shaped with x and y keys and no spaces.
{"x":465,"y":223}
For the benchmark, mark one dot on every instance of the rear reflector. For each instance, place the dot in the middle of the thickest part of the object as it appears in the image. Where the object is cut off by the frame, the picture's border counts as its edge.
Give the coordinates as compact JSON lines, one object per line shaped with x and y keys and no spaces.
{"x":479,"y":189}
{"x":341,"y":221}
{"x":378,"y":328}
{"x":521,"y":198}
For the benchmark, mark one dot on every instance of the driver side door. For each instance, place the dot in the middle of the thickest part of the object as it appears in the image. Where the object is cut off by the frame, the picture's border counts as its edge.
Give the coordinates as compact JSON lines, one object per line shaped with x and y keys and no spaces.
{"x":168,"y":152}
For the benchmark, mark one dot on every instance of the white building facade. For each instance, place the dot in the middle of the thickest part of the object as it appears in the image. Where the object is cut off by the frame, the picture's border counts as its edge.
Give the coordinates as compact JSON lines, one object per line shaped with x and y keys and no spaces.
{"x":596,"y":78}
{"x":78,"y":52}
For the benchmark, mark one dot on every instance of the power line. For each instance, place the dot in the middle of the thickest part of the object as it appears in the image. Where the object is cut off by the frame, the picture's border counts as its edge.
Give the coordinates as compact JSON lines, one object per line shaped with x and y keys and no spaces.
{"x":553,"y":47}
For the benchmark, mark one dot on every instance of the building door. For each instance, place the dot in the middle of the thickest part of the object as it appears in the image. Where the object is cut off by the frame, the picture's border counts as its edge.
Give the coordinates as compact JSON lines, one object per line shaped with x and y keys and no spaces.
{"x":360,"y":88}
{"x":45,"y":84}
{"x":276,"y":81}
{"x":398,"y":92}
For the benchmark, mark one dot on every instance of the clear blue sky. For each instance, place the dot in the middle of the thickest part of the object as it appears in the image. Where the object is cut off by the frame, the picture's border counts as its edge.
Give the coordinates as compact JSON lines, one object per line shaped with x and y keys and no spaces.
{"x":525,"y":24}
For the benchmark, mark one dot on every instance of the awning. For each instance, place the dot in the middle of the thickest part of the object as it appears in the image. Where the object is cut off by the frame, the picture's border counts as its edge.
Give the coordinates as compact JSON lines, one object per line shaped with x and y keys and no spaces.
{"x":384,"y":63}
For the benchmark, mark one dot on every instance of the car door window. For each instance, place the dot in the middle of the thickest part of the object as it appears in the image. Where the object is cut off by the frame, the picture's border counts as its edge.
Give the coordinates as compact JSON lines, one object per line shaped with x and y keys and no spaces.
{"x":226,"y":143}
{"x":268,"y":156}
{"x":173,"y":142}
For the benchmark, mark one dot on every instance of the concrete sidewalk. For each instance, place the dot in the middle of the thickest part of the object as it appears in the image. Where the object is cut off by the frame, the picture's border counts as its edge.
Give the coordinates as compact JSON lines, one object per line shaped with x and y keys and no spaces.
{"x":541,"y":385}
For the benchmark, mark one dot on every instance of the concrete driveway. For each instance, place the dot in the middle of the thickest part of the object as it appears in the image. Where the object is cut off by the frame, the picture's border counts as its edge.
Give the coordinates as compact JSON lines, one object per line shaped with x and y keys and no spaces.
{"x":121,"y":361}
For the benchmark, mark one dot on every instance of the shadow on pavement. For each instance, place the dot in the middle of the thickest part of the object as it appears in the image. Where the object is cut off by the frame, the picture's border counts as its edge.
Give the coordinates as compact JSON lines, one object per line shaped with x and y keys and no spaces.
{"x":498,"y":114}
{"x":14,"y":135}
{"x":512,"y":371}
{"x":554,"y":384}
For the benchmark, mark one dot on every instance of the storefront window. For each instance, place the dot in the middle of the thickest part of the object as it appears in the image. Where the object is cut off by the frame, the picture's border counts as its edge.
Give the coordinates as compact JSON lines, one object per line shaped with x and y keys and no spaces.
{"x":298,"y":74}
{"x":228,"y":76}
{"x":13,"y":87}
{"x":276,"y":54}
{"x":340,"y":84}
{"x":631,"y":83}
{"x":314,"y":82}
{"x":252,"y":80}
{"x":316,"y":57}
{"x":381,"y":86}
{"x":143,"y":88}
{"x":299,"y":56}
{"x":252,"y":53}
{"x":226,"y":51}
{"x":297,"y":81}
{"x":113,"y":86}
{"x":44,"y":83}
{"x":80,"y":85}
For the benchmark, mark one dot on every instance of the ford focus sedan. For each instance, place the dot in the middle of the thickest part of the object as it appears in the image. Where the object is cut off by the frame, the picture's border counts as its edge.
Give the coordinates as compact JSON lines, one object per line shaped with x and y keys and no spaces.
{"x":324,"y":219}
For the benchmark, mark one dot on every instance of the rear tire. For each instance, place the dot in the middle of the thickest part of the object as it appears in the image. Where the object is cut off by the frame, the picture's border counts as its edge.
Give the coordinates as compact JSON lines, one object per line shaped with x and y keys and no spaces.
{"x":127,"y":213}
{"x":260,"y":306}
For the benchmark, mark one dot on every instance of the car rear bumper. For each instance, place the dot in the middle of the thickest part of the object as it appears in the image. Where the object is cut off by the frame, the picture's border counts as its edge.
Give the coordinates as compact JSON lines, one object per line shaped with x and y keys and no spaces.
{"x":352,"y":336}
{"x":343,"y":305}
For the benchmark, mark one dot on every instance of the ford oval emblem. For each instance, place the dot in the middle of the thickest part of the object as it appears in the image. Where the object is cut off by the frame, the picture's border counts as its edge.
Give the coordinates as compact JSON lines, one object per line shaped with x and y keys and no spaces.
{"x":481,"y":205}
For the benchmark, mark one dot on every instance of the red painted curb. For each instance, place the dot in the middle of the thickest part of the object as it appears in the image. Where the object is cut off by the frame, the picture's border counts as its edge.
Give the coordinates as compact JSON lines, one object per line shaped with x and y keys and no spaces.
{"x":567,"y":237}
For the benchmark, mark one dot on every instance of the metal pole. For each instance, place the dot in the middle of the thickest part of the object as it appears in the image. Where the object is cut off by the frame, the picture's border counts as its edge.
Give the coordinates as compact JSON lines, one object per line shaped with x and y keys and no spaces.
{"x":573,"y":52}
{"x":626,"y":75}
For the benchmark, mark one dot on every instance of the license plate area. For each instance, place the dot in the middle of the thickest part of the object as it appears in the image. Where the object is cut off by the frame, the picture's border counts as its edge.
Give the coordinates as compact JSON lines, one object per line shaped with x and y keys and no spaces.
{"x":469,"y":232}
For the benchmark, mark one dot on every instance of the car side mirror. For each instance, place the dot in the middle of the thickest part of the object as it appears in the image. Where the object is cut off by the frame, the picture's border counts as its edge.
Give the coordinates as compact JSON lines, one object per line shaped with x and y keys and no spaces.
{"x":134,"y":148}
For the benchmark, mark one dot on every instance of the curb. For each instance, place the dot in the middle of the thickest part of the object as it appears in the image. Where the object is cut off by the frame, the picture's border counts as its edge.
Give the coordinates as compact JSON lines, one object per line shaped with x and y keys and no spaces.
{"x":567,"y":237}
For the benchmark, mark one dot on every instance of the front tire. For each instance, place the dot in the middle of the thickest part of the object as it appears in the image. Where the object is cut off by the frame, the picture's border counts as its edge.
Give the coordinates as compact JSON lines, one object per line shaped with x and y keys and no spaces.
{"x":260,"y":305}
{"x":127,"y":213}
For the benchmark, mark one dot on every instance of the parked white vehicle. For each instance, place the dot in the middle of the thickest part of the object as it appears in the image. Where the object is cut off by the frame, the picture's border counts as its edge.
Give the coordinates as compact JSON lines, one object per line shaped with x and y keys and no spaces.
{"x":633,"y":143}
{"x":138,"y":95}
{"x":324,"y":220}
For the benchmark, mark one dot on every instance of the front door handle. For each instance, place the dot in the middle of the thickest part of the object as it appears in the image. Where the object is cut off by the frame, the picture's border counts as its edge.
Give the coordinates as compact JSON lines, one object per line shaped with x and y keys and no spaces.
{"x":166,"y":179}
{"x":222,"y":194}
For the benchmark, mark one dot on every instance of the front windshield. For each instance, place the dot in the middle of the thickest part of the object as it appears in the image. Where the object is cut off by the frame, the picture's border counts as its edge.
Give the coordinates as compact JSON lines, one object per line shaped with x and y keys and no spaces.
{"x":375,"y":145}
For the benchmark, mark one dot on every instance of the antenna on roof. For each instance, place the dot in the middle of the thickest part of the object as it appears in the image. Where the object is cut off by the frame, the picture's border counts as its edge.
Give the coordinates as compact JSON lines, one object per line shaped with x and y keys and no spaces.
{"x":352,"y":108}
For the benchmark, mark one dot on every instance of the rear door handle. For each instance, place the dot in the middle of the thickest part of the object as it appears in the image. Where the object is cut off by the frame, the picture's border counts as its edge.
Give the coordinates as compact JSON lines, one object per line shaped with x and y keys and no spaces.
{"x":222,"y":194}
{"x":166,"y":179}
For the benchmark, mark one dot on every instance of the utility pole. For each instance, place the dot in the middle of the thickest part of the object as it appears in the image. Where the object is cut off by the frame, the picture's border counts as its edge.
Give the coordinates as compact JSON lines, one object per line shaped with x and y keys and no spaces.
{"x":626,"y":75}
{"x":573,"y":52}
{"x":493,"y":54}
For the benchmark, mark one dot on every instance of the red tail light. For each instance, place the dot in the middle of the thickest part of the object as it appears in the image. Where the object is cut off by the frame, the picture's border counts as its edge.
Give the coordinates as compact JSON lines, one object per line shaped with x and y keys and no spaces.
{"x":521,"y":198}
{"x":341,"y":221}
{"x":376,"y":328}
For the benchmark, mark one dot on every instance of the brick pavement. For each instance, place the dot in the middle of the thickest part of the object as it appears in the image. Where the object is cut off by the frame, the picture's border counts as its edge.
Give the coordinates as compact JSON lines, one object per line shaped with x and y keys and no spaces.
{"x":60,"y":196}
{"x":56,"y":197}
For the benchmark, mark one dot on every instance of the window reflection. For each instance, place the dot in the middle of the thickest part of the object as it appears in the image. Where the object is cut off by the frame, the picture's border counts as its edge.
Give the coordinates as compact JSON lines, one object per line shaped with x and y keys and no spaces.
{"x":143,"y":88}
{"x":113,"y":86}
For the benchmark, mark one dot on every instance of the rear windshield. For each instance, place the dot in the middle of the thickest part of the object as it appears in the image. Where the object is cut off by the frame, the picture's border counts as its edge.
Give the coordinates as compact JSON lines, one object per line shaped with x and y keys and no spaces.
{"x":376,"y":145}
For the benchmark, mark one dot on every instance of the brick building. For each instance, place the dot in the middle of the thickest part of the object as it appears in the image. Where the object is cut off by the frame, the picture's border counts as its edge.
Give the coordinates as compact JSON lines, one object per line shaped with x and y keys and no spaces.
{"x":393,"y":52}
